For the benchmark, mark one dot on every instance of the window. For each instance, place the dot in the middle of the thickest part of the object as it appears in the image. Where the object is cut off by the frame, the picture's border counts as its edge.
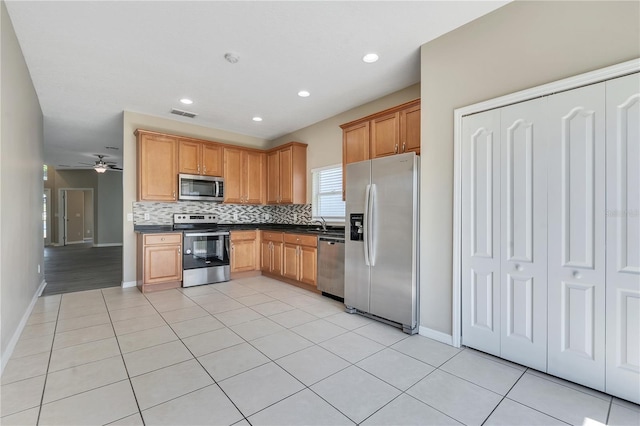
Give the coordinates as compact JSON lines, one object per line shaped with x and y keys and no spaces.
{"x":327,"y":194}
{"x":45,"y":172}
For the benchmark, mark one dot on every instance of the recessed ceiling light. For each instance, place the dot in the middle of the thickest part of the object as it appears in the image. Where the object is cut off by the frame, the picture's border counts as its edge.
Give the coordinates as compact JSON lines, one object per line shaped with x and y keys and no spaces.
{"x":303,"y":93}
{"x":257,"y":118}
{"x":186,"y":101}
{"x":370,"y":58}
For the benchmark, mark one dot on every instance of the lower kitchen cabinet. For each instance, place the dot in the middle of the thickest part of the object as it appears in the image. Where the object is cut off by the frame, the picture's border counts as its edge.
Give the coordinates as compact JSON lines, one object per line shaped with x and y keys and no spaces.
{"x":300,"y":258}
{"x":159,"y":265}
{"x":244,"y":251}
{"x":271,"y":252}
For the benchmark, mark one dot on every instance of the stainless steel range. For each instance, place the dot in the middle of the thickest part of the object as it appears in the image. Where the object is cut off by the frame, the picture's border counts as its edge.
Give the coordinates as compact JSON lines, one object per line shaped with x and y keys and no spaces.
{"x":205,"y":249}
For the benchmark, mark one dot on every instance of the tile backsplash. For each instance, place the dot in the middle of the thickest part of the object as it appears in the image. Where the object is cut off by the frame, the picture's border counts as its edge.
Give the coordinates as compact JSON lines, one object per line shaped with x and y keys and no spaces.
{"x":162,"y":213}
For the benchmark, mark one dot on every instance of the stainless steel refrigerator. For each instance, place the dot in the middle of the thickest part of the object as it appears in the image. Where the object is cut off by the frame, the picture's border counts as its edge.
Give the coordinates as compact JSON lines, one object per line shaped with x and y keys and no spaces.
{"x":381,"y":251}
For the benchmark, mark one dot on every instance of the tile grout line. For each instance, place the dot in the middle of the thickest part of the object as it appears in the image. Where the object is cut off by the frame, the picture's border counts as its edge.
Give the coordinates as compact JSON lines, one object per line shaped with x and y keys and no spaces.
{"x":135,"y":398}
{"x":44,"y":387}
{"x":201,"y":366}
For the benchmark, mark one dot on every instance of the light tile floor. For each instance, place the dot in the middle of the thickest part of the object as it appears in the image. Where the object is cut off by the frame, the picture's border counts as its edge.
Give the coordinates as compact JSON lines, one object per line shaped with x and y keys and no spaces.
{"x":257,"y":351}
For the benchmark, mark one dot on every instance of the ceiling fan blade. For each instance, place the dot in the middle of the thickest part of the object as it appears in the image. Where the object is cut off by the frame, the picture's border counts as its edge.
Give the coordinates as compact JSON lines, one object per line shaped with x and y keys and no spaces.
{"x":88,"y":164}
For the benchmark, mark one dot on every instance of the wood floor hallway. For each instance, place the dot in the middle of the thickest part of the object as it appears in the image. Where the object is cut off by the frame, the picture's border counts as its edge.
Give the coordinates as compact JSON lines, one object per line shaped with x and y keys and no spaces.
{"x":81,"y":267}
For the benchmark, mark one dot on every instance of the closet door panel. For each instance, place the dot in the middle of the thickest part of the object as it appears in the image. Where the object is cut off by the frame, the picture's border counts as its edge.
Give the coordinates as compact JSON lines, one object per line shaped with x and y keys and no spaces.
{"x":523,"y":233}
{"x":481,"y":232}
{"x":623,"y":237}
{"x":576,"y":250}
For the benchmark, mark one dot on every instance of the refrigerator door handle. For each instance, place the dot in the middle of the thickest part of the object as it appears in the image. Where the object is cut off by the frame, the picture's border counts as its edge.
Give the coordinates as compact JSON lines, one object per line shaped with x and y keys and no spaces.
{"x":370,"y":224}
{"x":365,"y":225}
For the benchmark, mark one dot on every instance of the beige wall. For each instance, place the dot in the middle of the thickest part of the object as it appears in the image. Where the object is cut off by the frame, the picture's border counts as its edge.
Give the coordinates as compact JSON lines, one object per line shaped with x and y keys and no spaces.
{"x":325,"y":137}
{"x":133,"y":121}
{"x":521,"y":45}
{"x":21,"y":188}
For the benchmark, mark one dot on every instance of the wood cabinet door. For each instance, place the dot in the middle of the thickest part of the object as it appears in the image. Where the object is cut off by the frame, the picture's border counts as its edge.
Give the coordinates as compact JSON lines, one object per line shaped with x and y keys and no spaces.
{"x":410,"y":129}
{"x":254,"y":177}
{"x":290,"y":263}
{"x":355,"y":143}
{"x":232,"y":175}
{"x":286,"y":175}
{"x":157,"y":168}
{"x":273,"y":177}
{"x":385,"y":134}
{"x":189,"y":157}
{"x":308,"y":265}
{"x":211,"y":159}
{"x":162,"y":263}
{"x":265,"y":256}
{"x":355,"y":147}
{"x":243,"y":255}
{"x":276,"y":258}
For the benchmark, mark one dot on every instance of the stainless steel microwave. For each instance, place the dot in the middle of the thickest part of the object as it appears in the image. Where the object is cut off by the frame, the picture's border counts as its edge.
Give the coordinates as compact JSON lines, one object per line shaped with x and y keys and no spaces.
{"x":200,"y":188}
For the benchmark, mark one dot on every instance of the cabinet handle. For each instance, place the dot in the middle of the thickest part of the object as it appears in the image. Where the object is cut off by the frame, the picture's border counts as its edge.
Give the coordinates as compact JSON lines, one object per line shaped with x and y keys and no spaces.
{"x":174,"y":195}
{"x":161,"y":238}
{"x":179,"y":251}
{"x":395,"y":149}
{"x":403,"y":146}
{"x":198,"y":168}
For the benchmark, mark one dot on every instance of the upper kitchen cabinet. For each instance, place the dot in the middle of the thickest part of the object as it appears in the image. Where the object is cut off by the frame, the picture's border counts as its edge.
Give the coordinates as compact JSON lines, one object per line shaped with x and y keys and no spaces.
{"x":199,"y":158}
{"x":385,"y":135}
{"x":244,"y":176}
{"x":157,"y":166}
{"x":287,"y":174}
{"x":392,"y":131}
{"x":355,"y":142}
{"x":410,"y":129}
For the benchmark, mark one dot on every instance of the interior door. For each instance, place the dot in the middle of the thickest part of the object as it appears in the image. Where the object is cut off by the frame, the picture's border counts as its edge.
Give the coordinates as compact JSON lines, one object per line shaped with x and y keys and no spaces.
{"x":576,"y":236}
{"x":523,"y":235}
{"x":74,"y":215}
{"x":481,"y":231}
{"x":623,"y":237}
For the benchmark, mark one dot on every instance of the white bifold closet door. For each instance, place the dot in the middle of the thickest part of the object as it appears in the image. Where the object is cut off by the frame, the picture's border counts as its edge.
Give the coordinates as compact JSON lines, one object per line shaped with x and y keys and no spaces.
{"x":623,"y":237}
{"x":523,"y":213}
{"x":481,"y":231}
{"x":504,"y":221}
{"x":576,"y":245}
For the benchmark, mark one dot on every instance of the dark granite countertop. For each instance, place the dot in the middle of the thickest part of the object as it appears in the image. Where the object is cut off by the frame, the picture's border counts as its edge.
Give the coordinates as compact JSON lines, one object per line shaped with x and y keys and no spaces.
{"x":301,"y":229}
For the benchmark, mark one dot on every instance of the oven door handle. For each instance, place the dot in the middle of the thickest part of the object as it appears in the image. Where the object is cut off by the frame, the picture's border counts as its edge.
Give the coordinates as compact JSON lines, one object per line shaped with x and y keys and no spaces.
{"x":207,"y":234}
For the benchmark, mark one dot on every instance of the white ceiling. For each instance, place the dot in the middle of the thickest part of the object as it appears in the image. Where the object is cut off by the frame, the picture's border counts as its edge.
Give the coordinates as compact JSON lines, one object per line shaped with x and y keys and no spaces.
{"x":89,"y":61}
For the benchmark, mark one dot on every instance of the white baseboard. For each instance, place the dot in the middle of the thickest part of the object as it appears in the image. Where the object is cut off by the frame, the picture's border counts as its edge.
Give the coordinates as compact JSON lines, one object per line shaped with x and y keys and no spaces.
{"x":128,"y":284}
{"x":436,"y":335}
{"x":108,"y":245}
{"x":23,"y":322}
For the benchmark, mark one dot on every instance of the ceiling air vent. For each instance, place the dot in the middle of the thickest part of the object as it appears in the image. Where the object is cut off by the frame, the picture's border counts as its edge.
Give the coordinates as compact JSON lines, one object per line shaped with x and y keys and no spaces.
{"x":183,"y":113}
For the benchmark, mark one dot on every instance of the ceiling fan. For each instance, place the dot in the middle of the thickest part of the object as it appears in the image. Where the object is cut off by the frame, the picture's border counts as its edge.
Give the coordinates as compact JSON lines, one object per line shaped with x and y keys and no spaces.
{"x":102,"y":166}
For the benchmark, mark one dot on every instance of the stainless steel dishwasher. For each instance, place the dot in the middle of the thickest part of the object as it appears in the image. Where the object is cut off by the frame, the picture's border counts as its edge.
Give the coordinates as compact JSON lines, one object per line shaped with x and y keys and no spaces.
{"x":331,"y":265}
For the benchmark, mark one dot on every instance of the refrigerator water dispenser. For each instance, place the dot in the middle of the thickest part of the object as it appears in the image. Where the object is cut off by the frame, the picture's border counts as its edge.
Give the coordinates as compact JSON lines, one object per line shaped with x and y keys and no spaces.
{"x":357,"y":231}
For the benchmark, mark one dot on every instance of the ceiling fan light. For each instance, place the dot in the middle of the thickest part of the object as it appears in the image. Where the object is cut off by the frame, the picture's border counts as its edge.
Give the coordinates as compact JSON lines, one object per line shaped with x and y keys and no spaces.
{"x":100,"y":168}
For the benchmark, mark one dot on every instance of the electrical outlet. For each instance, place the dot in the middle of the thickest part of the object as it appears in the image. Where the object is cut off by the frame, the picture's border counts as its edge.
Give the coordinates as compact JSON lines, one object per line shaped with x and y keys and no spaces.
{"x":147,"y":216}
{"x":295,"y":217}
{"x":129,"y":217}
{"x":235,"y":216}
{"x":266,"y":217}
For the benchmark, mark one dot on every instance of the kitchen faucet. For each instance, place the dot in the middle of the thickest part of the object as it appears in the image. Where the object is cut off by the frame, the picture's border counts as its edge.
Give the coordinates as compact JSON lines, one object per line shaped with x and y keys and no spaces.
{"x":323,"y":223}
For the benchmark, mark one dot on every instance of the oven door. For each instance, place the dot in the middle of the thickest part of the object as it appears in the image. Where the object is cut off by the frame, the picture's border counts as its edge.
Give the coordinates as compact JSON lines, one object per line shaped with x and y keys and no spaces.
{"x":205,"y":250}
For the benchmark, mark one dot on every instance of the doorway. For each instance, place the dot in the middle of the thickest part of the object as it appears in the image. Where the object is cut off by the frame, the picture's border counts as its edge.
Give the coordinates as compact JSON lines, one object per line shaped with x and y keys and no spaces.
{"x":75,"y":216}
